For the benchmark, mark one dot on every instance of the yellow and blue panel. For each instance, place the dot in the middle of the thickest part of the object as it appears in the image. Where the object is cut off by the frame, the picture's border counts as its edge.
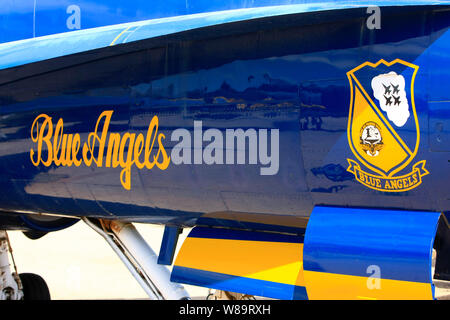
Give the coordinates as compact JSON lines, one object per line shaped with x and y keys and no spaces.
{"x":256,"y":263}
{"x":344,"y":254}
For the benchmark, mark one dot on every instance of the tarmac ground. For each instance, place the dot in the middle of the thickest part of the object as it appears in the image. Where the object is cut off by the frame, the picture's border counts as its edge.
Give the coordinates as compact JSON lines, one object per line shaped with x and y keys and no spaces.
{"x":77,"y":263}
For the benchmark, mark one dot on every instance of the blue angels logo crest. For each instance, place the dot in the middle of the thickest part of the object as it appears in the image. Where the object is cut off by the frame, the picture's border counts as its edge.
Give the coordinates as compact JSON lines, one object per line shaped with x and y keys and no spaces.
{"x":383,"y":128}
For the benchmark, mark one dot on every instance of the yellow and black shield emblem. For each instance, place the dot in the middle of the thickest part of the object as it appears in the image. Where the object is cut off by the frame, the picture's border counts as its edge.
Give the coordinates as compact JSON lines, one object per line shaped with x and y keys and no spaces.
{"x":383,"y":128}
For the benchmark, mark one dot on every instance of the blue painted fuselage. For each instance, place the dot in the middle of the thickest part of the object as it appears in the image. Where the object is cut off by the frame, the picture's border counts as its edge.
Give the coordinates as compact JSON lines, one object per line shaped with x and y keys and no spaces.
{"x":285,"y":73}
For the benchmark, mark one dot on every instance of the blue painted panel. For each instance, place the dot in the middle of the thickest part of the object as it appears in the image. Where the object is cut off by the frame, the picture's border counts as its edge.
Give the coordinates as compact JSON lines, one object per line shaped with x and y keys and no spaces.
{"x":347,"y":241}
{"x":16,"y":20}
{"x":439,"y":125}
{"x":168,"y":245}
{"x":24,"y":19}
{"x":28,"y":51}
{"x":438,"y":55}
{"x":82,"y":40}
{"x":245,"y":79}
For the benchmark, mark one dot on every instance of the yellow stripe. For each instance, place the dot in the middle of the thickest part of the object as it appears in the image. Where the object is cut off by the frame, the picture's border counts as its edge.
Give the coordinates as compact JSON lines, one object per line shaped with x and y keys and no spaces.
{"x":329,"y":286}
{"x":270,"y":261}
{"x":118,"y":36}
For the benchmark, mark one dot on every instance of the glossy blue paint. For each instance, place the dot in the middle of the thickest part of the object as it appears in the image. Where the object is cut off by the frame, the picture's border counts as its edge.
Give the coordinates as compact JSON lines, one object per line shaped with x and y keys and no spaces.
{"x":55,"y":45}
{"x":168,"y":245}
{"x":349,"y":241}
{"x":284,"y":71}
{"x":24,"y":19}
{"x":16,"y":20}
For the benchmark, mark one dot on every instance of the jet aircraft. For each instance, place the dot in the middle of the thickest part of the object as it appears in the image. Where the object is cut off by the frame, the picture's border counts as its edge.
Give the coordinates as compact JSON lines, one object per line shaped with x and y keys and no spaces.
{"x":243,"y":121}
